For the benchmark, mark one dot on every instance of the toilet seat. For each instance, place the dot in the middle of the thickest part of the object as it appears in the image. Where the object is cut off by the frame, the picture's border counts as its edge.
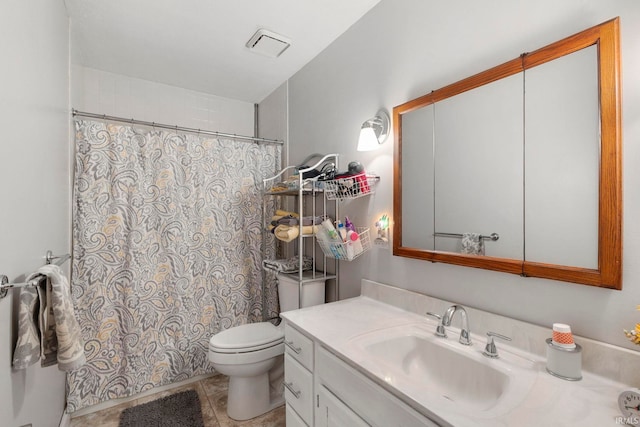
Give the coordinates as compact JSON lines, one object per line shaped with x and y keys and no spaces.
{"x":246,"y":338}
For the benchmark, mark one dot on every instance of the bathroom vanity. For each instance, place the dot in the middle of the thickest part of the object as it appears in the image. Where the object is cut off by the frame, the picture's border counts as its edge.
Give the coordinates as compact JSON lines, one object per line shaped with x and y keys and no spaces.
{"x":323,"y":390}
{"x":361,"y":361}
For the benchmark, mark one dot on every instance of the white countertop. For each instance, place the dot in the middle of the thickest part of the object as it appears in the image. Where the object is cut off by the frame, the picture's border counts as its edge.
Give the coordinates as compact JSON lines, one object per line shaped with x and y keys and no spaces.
{"x":550,"y":402}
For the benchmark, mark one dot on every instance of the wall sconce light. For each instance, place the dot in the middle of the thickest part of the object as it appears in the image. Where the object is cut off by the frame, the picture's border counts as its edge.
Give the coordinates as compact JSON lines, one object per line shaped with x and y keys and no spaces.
{"x":374,"y":132}
{"x":382,"y":225}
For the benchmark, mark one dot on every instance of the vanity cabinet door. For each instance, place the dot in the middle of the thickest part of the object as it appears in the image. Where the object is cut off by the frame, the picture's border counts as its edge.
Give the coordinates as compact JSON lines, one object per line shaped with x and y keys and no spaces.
{"x":365,"y":398}
{"x":298,"y":388}
{"x":293,"y":419}
{"x":332,"y":412}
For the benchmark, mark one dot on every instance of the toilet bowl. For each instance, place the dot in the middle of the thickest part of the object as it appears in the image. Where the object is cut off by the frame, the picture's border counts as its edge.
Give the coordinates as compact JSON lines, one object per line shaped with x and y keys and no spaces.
{"x":252,"y":355}
{"x":247,"y":354}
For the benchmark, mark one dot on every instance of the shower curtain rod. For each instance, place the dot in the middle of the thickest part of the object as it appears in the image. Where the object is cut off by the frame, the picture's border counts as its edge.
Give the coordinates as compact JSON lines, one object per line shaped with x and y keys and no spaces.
{"x":75,"y":112}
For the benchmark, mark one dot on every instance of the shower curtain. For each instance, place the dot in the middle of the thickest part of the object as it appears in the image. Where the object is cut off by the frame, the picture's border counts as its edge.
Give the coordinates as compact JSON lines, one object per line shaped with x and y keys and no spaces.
{"x":166,"y":252}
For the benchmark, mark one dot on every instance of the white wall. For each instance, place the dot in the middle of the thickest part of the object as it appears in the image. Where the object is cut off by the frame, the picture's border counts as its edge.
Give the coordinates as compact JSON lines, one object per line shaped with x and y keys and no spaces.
{"x":273,"y":117}
{"x":101,"y":92}
{"x":403,"y":49}
{"x":34,"y":192}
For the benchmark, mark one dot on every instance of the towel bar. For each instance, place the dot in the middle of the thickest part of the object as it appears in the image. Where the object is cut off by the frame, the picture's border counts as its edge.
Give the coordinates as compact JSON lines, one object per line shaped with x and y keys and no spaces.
{"x":5,"y":285}
{"x":492,"y":236}
{"x":60,"y":259}
{"x":49,"y":257}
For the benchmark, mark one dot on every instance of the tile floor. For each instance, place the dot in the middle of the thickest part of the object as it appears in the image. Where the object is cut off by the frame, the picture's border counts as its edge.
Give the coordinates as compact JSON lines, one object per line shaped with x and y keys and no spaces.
{"x":212,"y":393}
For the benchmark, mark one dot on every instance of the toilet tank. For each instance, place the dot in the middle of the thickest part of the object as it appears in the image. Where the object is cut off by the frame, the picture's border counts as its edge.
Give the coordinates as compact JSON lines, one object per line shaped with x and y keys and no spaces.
{"x":312,"y":291}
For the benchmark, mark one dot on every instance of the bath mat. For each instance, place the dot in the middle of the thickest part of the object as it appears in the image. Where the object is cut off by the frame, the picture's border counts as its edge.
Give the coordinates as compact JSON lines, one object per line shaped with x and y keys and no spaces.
{"x":177,"y":410}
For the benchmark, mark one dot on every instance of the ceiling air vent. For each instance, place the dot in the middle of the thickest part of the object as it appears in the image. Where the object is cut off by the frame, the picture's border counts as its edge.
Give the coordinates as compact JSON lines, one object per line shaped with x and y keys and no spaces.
{"x":268,"y":43}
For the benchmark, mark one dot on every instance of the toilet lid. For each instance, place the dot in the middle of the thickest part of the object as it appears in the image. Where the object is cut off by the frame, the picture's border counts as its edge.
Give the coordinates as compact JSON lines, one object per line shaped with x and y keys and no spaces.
{"x":253,"y":336}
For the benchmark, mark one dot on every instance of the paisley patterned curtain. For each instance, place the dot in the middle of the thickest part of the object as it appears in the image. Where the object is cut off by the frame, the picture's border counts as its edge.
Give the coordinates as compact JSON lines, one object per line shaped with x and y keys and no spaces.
{"x":166,"y":252}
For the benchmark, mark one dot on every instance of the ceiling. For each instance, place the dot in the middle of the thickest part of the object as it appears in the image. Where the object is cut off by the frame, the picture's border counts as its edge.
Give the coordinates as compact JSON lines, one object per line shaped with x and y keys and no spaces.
{"x":200,"y":44}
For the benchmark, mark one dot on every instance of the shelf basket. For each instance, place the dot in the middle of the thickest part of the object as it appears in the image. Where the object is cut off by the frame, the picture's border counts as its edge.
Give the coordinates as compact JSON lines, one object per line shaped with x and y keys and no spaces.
{"x":350,"y":187}
{"x":347,"y":251}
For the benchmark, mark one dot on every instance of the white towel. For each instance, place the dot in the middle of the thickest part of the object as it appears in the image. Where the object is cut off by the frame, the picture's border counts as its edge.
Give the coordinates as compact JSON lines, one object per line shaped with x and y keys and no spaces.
{"x":59,"y":332}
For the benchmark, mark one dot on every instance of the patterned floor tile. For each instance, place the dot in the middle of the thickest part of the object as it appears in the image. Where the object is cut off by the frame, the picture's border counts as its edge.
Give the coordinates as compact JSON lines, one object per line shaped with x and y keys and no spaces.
{"x":212,"y":393}
{"x":109,"y":417}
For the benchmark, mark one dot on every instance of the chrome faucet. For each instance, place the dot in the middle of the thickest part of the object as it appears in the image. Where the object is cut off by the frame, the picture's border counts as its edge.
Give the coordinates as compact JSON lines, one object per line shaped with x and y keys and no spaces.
{"x":465,"y":332}
{"x":490,"y":350}
{"x":440,"y":330}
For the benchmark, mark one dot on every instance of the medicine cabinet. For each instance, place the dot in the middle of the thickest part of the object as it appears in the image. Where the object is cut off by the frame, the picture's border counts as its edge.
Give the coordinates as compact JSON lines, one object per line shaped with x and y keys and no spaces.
{"x":527,"y":154}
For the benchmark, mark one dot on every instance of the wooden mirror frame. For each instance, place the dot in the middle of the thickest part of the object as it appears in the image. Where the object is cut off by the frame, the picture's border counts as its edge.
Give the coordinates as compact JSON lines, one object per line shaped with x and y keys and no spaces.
{"x":609,"y":272}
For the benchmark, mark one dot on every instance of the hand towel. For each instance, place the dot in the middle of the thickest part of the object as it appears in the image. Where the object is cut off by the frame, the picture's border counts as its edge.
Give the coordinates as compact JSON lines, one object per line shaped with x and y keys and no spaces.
{"x":70,"y":345}
{"x":284,"y":220}
{"x":47,"y":323}
{"x":280,"y":212}
{"x":287,"y":233}
{"x":291,"y":221}
{"x":287,"y":265}
{"x":57,"y":336}
{"x":472,"y":244}
{"x":27,"y":351}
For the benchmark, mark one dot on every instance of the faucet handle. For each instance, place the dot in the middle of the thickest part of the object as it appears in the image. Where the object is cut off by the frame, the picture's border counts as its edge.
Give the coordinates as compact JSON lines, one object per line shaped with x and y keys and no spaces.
{"x":490,"y":349}
{"x":440,"y":331}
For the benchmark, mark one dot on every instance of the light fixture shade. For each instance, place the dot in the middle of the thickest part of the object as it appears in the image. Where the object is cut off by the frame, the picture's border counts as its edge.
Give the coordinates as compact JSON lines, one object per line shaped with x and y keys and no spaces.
{"x":374,"y":132}
{"x":368,"y":140}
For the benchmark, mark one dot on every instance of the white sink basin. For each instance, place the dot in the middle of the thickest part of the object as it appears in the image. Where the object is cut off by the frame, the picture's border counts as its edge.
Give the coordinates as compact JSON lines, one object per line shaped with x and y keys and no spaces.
{"x":459,"y":378}
{"x":444,"y":372}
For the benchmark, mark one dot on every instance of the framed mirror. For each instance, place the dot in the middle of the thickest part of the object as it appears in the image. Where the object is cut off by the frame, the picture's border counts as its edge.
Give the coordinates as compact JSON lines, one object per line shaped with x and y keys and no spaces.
{"x":524,"y":157}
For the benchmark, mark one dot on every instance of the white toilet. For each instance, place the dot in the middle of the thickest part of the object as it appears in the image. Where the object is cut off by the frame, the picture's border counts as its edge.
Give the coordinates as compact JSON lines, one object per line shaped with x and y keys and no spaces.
{"x":252,"y":355}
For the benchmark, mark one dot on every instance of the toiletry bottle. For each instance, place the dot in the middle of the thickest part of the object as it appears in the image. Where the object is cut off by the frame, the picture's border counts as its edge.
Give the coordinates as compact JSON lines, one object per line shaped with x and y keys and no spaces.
{"x":354,"y":241}
{"x":322,"y":235}
{"x":342,"y":231}
{"x":350,"y":250}
{"x":330,"y":230}
{"x":348,"y":224}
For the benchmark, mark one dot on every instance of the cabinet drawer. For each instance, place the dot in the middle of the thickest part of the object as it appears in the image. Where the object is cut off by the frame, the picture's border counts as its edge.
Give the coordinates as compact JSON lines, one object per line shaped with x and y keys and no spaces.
{"x":298,"y":346}
{"x":298,"y":388}
{"x":293,"y":419}
{"x":367,"y":399}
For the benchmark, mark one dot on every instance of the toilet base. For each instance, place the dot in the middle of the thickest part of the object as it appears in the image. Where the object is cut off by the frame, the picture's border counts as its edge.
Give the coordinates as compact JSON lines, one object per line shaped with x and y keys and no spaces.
{"x":250,"y":397}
